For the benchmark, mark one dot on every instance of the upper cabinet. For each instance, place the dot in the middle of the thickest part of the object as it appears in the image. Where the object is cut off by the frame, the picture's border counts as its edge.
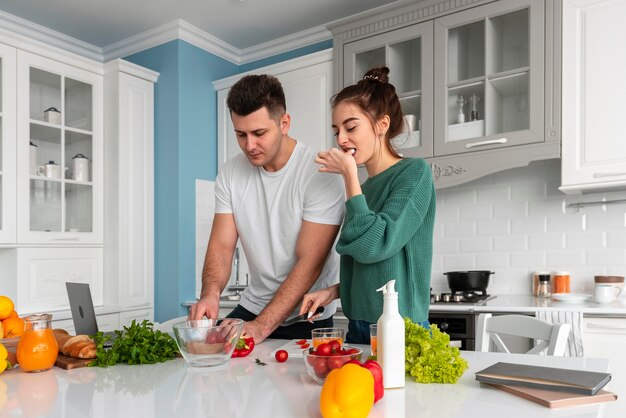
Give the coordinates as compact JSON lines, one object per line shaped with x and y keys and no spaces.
{"x":475,"y":81}
{"x":59,"y":152}
{"x":594,"y":149}
{"x":409,"y":52}
{"x":7,"y":145}
{"x":489,"y":76}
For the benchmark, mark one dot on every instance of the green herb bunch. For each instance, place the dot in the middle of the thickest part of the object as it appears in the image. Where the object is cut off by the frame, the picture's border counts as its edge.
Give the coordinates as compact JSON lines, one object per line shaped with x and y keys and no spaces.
{"x":136,"y":344}
{"x":429,"y":358}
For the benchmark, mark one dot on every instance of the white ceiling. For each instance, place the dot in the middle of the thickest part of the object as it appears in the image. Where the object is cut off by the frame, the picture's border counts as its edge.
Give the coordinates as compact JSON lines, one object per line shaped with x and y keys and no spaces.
{"x":240,"y":23}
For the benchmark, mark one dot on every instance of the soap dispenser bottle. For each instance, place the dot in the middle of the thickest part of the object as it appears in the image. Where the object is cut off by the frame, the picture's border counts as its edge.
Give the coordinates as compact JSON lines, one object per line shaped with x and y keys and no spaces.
{"x":390,"y":339}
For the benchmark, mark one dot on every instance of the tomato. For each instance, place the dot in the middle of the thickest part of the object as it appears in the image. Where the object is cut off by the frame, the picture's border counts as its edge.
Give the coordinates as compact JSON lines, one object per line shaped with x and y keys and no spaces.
{"x":335,"y":345}
{"x":352,"y":351}
{"x":281,"y":356}
{"x":305,"y":345}
{"x":334,"y":362}
{"x":311,"y":360}
{"x":301,"y":342}
{"x":320,"y":367}
{"x":323,"y":349}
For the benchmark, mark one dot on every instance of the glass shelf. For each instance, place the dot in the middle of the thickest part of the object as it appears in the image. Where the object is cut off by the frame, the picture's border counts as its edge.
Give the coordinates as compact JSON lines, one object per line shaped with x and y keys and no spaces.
{"x":509,"y":41}
{"x":466,"y":52}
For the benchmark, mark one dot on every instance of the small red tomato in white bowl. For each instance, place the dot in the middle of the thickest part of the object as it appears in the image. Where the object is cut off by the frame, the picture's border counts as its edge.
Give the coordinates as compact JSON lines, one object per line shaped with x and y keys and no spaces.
{"x":281,"y":356}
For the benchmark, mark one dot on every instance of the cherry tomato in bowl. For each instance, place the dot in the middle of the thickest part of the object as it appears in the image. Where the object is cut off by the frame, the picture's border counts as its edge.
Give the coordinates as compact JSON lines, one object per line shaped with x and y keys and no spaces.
{"x":281,"y":356}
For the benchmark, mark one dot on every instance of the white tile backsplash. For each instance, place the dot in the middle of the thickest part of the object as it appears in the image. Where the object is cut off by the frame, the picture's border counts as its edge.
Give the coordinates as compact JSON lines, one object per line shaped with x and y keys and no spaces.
{"x":531,"y":228}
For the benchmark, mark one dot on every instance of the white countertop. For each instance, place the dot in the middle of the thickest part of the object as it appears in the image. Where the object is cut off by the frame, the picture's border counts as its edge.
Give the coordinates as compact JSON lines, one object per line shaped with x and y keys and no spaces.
{"x":530,"y":304}
{"x":244,"y":389}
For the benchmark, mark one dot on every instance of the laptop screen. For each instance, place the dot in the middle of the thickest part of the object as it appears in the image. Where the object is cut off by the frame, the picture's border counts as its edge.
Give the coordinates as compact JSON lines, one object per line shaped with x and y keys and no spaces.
{"x":81,"y":305}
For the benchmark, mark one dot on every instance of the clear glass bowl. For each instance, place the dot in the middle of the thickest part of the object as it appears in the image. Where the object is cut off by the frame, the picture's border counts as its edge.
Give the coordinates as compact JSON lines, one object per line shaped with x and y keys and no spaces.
{"x":318,"y":366}
{"x":207,"y":342}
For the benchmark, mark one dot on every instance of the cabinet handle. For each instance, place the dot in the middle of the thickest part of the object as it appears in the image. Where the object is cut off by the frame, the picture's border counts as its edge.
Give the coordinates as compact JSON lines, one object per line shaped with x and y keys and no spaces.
{"x":599,"y":175}
{"x":66,"y":239}
{"x":487,"y":142}
{"x":606,"y":326}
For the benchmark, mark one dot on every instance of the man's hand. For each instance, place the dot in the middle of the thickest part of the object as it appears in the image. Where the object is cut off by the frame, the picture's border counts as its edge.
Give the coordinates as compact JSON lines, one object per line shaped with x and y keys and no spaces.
{"x":207,"y":306}
{"x":255,"y":330}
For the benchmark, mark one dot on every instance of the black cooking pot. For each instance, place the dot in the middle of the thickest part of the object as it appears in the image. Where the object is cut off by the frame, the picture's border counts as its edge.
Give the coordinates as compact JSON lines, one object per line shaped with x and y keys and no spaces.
{"x":462,"y":281}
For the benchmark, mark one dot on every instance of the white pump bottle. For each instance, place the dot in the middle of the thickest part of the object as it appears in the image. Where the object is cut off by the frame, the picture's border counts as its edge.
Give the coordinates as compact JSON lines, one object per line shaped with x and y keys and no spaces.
{"x":390,"y":339}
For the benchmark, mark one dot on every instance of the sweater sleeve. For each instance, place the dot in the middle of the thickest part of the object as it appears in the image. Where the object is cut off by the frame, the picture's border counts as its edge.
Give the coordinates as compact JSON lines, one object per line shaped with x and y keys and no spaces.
{"x":371,"y":237}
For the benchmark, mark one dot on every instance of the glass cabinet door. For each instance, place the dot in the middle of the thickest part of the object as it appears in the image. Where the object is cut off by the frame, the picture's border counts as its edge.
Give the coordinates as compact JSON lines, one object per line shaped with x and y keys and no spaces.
{"x":407,"y":53}
{"x":489,"y":77}
{"x":63,"y":163}
{"x":7,"y":145}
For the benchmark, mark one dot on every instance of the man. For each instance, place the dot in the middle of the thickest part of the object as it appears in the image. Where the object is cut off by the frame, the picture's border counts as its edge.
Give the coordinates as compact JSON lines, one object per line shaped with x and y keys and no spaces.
{"x":285,"y":213}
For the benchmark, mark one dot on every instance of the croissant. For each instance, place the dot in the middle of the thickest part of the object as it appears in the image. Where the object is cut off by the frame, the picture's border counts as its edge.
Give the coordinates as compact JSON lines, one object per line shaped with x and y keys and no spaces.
{"x":79,"y":346}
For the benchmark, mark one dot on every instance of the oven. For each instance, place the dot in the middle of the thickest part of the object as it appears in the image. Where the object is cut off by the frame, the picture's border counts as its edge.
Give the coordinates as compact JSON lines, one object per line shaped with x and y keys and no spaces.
{"x":460,"y":326}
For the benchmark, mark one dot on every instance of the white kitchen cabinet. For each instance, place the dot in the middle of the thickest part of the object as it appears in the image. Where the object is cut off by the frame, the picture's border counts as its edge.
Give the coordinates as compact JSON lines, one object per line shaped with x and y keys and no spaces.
{"x":129,"y":203}
{"x":7,"y":145}
{"x":60,"y":113}
{"x":41,"y":274}
{"x":594,"y":86}
{"x":127,"y":317}
{"x":606,"y":338}
{"x":307,"y":84}
{"x":499,"y":59}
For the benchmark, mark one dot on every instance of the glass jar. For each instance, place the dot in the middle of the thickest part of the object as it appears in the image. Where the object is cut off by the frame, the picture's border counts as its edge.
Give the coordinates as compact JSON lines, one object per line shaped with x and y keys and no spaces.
{"x":561,"y":282}
{"x":37,"y":349}
{"x":543,"y":290}
{"x":535,"y":282}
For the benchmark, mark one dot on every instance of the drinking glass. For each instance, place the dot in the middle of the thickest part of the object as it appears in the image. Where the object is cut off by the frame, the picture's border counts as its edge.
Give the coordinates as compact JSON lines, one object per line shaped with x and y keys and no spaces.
{"x":326,"y":335}
{"x":373,"y":339}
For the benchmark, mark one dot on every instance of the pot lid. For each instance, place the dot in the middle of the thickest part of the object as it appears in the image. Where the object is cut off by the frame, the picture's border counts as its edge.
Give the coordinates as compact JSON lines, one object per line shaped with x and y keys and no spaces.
{"x":33,"y":145}
{"x":79,"y":156}
{"x":52,"y":109}
{"x":51,"y":163}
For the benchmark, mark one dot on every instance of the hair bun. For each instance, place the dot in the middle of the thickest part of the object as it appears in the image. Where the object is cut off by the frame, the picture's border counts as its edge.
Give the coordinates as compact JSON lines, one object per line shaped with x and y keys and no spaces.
{"x":379,"y":74}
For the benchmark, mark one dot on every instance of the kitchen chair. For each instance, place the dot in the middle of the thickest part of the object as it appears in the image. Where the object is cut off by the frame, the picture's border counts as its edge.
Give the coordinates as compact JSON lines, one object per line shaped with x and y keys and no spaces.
{"x":546,"y":336}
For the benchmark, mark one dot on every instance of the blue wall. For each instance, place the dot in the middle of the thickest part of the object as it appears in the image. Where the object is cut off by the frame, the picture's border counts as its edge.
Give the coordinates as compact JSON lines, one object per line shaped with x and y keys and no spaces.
{"x":185,"y":149}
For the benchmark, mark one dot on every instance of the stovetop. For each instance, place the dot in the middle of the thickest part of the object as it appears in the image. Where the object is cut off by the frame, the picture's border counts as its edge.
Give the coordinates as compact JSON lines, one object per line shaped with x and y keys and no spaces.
{"x":461,"y":298}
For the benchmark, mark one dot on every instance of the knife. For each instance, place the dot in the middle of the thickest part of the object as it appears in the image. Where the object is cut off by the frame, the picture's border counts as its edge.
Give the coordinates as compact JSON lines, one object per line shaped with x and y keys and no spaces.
{"x":302,"y":317}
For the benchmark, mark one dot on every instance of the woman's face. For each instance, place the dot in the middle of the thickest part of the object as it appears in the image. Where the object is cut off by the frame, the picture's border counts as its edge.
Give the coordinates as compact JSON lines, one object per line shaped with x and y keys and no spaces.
{"x":353,"y":131}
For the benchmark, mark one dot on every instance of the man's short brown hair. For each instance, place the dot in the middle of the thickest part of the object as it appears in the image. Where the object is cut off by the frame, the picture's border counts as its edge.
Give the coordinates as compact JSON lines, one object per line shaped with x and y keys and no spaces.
{"x":254,"y":92}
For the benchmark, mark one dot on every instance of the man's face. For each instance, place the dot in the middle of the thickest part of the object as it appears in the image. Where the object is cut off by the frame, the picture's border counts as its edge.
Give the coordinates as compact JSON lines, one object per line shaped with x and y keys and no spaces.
{"x":260,"y":137}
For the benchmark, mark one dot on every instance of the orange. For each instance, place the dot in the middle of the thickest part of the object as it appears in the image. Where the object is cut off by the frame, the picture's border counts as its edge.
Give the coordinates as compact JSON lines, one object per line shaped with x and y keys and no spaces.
{"x":13,"y":314}
{"x":13,"y":327}
{"x":37,"y":350}
{"x":6,"y":307}
{"x":374,"y":344}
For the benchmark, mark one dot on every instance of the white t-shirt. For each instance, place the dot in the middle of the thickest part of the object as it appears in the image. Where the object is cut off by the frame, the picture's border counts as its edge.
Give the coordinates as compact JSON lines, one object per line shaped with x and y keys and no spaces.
{"x":269,"y":208}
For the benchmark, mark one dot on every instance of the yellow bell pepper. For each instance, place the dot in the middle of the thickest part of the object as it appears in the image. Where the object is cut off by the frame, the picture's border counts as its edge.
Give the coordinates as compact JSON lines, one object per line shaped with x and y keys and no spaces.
{"x":4,"y":361}
{"x":348,"y":392}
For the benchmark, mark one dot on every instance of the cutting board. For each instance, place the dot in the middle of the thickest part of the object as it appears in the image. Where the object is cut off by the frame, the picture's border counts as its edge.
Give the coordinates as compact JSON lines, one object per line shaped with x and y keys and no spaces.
{"x":67,"y":362}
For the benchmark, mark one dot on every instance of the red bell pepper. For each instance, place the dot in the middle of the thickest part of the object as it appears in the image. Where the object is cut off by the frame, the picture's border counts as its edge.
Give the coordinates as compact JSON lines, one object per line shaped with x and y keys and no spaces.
{"x":244,"y":346}
{"x":377,"y":373}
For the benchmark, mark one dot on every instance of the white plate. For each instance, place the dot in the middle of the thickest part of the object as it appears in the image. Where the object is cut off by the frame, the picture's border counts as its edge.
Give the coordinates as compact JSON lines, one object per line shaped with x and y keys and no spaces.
{"x":571,"y":297}
{"x":292,"y":348}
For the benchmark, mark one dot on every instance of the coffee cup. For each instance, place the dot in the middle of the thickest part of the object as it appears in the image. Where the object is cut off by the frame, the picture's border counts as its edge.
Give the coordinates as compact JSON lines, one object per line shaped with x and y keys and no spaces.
{"x":606,"y":293}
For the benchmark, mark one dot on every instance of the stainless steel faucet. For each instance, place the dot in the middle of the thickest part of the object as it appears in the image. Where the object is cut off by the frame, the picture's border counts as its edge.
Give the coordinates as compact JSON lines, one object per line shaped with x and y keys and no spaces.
{"x":237,"y":288}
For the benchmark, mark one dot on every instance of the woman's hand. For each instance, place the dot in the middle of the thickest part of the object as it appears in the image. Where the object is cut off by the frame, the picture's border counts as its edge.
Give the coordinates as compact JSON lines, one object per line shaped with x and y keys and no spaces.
{"x":311,"y":301}
{"x":337,"y":160}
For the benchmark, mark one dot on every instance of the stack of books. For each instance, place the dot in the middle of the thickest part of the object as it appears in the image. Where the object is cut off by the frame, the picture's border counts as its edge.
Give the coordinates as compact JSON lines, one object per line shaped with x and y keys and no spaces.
{"x":548,"y":386}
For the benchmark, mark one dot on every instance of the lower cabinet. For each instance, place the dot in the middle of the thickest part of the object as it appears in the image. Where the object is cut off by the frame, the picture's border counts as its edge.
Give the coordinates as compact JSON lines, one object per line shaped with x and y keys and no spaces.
{"x":606,"y":338}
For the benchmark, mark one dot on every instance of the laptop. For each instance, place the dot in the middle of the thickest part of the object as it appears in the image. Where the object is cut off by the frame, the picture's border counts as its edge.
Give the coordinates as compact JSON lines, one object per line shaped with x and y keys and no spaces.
{"x":83,"y":313}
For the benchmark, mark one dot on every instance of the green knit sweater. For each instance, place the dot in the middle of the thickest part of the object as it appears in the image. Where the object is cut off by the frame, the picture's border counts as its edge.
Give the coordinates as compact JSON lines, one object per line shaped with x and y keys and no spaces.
{"x":388,"y":234}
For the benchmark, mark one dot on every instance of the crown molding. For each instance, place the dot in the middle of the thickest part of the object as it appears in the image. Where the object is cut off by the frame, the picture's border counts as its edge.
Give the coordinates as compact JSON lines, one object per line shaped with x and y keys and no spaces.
{"x":39,"y":39}
{"x":119,"y":65}
{"x":24,"y":32}
{"x":297,"y":63}
{"x":285,"y":44}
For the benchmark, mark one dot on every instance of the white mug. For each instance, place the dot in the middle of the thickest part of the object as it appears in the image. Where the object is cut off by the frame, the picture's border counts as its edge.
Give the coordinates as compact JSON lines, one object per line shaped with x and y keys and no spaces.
{"x":606,"y":293}
{"x":409,"y":123}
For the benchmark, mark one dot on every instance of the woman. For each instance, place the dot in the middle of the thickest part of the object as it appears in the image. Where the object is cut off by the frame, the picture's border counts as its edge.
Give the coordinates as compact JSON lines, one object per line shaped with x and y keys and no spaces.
{"x":388,"y":228}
